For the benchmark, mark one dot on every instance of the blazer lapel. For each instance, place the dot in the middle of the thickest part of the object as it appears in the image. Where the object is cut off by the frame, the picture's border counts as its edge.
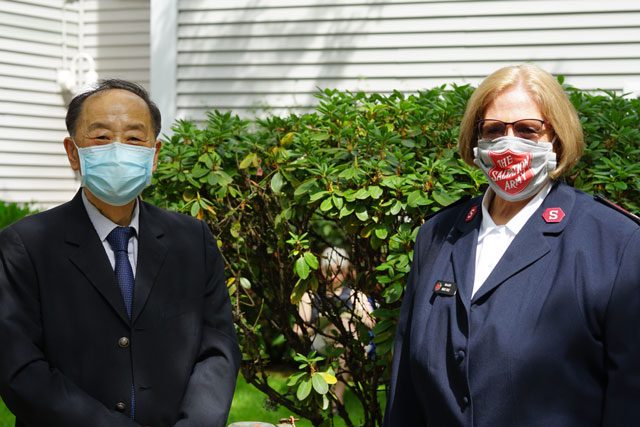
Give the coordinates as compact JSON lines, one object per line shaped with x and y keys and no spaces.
{"x":88,"y":255}
{"x":532,"y":242}
{"x":464,"y":248}
{"x":151,"y":254}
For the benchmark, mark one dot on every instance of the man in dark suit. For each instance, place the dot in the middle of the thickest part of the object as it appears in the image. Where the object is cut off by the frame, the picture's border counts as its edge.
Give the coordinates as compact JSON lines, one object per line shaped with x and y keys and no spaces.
{"x":114,"y":312}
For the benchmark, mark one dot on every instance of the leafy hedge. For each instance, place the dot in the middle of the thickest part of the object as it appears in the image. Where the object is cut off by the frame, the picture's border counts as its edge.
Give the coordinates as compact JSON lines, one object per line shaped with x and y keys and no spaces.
{"x":11,"y":212}
{"x":362,"y":171}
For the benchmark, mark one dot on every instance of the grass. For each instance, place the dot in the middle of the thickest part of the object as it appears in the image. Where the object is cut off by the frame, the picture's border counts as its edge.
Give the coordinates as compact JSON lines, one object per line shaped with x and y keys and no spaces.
{"x":248,"y":405}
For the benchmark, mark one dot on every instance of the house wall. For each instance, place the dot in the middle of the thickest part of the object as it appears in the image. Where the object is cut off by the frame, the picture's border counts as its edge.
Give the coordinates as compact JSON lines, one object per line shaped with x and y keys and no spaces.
{"x":33,"y":163}
{"x":246,"y":54}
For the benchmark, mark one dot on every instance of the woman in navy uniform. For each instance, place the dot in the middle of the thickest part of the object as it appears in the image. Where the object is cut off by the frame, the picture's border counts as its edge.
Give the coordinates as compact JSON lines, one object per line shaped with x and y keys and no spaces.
{"x":523,"y":305}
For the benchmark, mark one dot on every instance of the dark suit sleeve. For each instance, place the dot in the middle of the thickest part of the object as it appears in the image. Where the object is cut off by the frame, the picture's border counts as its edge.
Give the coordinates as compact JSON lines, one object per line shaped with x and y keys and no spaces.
{"x":403,"y":408}
{"x":622,"y":340}
{"x":210,"y":389}
{"x":37,"y":393}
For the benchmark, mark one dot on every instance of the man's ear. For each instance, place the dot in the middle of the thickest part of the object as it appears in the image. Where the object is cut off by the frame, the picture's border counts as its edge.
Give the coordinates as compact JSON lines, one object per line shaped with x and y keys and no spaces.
{"x":155,"y":156}
{"x":72,"y":153}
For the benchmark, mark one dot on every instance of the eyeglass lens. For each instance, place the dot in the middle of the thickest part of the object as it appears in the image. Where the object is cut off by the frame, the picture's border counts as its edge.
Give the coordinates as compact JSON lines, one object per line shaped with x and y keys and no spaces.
{"x":525,"y":128}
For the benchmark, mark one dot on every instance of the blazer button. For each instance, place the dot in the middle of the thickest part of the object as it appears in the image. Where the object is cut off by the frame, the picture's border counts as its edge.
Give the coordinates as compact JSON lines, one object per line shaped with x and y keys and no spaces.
{"x":123,"y":342}
{"x":460,"y":355}
{"x":465,"y":403}
{"x":120,"y":406}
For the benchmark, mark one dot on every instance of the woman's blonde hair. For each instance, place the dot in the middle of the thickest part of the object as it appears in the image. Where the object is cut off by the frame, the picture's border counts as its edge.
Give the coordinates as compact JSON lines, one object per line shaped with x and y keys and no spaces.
{"x":551,"y":99}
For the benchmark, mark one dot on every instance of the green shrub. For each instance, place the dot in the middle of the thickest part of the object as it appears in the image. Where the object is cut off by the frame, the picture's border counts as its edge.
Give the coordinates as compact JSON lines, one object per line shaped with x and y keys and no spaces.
{"x":11,"y":212}
{"x":611,"y":163}
{"x":362,"y":172}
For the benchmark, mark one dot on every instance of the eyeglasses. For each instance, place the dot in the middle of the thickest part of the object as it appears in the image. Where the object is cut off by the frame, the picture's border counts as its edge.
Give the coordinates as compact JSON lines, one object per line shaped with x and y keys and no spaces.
{"x":526,"y":128}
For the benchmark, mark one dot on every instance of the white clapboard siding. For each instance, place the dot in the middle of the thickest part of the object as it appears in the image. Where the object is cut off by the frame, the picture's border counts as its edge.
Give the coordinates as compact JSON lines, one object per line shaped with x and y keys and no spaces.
{"x":33,"y":163}
{"x":116,"y":34}
{"x":31,"y":147}
{"x":244,"y":55}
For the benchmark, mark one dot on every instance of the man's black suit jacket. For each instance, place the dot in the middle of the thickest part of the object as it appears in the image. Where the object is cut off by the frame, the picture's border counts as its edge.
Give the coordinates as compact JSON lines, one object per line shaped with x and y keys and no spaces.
{"x":63,"y":361}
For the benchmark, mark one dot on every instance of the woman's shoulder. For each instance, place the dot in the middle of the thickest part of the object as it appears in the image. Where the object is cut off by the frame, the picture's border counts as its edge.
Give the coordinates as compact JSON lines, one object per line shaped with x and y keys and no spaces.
{"x":597,"y":211}
{"x":463,"y":211}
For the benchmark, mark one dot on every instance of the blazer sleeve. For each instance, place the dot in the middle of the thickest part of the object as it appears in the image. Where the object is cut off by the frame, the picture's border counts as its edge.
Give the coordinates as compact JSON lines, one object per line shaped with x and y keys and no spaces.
{"x":403,"y":407}
{"x":622,"y":340}
{"x":37,"y":393}
{"x":210,"y":389}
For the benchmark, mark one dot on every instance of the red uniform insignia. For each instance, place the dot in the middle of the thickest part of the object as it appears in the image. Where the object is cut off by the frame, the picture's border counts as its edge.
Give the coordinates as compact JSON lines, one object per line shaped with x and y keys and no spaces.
{"x":553,"y":215}
{"x":472,"y":213}
{"x":511,"y":171}
{"x":437,"y":287}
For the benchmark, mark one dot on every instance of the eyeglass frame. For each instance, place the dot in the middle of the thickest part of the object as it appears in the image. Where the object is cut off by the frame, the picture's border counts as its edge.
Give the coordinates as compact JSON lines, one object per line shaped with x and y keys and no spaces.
{"x":507,"y":124}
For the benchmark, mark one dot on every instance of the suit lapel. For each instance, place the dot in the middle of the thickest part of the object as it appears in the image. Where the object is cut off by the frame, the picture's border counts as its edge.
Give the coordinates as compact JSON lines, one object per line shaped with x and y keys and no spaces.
{"x":88,"y":255}
{"x":151,"y":254}
{"x":464,"y":248}
{"x":532,"y":241}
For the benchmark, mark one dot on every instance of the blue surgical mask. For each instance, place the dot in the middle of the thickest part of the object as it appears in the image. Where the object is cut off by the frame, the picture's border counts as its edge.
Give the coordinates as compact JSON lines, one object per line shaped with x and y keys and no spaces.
{"x":116,"y":173}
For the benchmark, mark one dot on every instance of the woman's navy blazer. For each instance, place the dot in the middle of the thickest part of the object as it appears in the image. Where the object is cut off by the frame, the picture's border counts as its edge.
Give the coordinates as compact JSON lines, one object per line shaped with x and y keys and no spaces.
{"x":552,"y":338}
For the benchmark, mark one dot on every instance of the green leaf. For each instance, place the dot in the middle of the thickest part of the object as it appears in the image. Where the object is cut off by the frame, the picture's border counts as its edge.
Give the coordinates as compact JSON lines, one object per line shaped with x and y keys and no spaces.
{"x":206,"y":159}
{"x":620,"y":185}
{"x":293,"y":379}
{"x":417,"y":198}
{"x":305,"y":187}
{"x":345,"y":211}
{"x":195,"y":208}
{"x":442,"y":198}
{"x":328,"y":377}
{"x":361,"y":194}
{"x":248,"y":161}
{"x":219,"y":178}
{"x":325,"y":406}
{"x":326,"y":204}
{"x":277,"y":182}
{"x":235,"y":230}
{"x":362,"y":214}
{"x":245,"y":283}
{"x":338,"y":202}
{"x":320,"y":136}
{"x":199,"y":171}
{"x":319,"y":384}
{"x":303,"y":390}
{"x":375,"y":191}
{"x":397,"y":207}
{"x":311,"y":260}
{"x":348,"y":173}
{"x":381,"y":233}
{"x":278,"y":340}
{"x":302,"y":268}
{"x":318,"y":195}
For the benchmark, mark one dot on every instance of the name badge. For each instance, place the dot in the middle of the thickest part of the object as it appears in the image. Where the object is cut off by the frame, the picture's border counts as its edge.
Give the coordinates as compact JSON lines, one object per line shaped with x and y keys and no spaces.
{"x":445,"y":288}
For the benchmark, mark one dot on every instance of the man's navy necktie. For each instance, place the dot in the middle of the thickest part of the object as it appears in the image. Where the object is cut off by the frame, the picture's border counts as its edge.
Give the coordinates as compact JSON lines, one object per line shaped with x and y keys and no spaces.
{"x":119,"y":241}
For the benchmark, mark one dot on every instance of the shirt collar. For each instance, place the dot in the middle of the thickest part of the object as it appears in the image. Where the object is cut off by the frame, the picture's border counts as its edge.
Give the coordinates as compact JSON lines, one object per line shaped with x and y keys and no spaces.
{"x":104,"y":225}
{"x":516,"y":223}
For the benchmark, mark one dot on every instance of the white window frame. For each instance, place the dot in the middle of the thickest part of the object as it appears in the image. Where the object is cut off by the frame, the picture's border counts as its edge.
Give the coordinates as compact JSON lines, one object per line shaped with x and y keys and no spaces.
{"x":163,"y":71}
